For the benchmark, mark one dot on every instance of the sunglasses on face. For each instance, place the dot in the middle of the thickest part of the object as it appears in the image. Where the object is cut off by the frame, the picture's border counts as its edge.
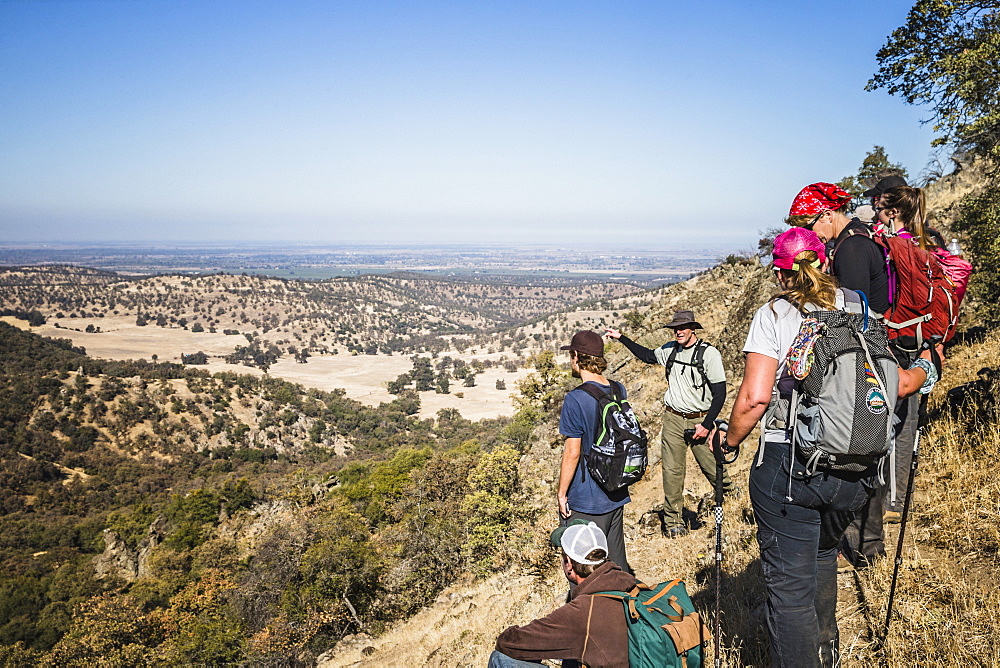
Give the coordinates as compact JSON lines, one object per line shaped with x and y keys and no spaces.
{"x":812,"y":223}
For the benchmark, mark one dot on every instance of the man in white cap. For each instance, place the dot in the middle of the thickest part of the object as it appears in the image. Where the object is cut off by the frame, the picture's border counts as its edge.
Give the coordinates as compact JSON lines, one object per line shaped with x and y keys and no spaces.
{"x":696,"y":391}
{"x":588,"y":629}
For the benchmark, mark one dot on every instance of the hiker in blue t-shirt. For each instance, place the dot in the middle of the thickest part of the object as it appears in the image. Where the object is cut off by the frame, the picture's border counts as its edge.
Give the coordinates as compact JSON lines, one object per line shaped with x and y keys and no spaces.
{"x":579,"y":496}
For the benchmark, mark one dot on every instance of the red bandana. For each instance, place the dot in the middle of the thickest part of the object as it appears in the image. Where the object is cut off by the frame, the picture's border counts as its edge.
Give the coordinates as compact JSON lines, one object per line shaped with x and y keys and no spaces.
{"x":817,"y":198}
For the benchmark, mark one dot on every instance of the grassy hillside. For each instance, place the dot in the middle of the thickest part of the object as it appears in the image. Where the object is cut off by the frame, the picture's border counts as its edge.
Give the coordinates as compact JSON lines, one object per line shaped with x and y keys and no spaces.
{"x":368,"y":314}
{"x":947,"y":612}
{"x":946,"y":607}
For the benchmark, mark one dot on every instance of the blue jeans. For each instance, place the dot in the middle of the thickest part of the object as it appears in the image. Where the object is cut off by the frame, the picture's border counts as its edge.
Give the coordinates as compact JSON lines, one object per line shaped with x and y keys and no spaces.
{"x":798,"y":535}
{"x":501,"y":660}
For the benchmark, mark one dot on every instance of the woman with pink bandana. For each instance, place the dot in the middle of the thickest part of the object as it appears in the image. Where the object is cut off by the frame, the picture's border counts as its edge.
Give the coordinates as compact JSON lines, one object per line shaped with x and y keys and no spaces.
{"x":800,"y":515}
{"x":859,"y":264}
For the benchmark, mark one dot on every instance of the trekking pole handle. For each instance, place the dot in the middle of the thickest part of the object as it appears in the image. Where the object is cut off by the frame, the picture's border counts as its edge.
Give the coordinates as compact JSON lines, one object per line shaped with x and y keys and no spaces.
{"x":719,"y":447}
{"x":931,"y":344}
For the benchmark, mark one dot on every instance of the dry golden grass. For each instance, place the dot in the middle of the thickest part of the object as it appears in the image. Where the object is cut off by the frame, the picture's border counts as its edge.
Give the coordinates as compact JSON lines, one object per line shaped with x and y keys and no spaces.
{"x":947,"y":601}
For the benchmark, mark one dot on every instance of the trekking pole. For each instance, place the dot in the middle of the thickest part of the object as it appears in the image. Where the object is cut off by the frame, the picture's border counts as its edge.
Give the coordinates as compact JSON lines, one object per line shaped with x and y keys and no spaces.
{"x":906,"y":514}
{"x":921,"y":423}
{"x":721,"y":427}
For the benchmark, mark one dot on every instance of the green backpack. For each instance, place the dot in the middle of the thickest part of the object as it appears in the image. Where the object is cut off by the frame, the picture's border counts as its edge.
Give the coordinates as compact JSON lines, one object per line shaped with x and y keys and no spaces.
{"x":664,"y":630}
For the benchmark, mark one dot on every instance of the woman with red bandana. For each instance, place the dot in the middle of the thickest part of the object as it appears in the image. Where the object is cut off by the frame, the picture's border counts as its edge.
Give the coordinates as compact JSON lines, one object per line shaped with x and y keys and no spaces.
{"x":857,"y":262}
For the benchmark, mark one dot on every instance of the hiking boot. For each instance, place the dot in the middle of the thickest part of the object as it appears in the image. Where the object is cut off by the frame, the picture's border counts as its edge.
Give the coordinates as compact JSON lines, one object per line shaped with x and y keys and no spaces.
{"x":675,"y":532}
{"x":892,"y":517}
{"x":843,"y":565}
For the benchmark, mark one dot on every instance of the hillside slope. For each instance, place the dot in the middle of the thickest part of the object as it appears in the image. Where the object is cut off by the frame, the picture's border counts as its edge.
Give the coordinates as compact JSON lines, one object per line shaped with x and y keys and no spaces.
{"x":367,"y":314}
{"x":946,"y":611}
{"x":459,"y":629}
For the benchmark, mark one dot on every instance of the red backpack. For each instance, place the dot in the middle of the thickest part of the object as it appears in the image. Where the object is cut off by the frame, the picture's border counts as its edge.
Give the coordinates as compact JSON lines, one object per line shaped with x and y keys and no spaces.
{"x":925,"y":301}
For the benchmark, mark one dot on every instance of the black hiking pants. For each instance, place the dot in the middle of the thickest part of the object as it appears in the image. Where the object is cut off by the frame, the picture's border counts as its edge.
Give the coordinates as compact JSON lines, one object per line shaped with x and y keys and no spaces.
{"x":798,"y":529}
{"x":613,"y":528}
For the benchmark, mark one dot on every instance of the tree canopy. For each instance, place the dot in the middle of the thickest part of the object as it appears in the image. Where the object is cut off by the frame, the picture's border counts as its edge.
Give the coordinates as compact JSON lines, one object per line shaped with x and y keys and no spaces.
{"x":947,"y":56}
{"x":875,"y":166}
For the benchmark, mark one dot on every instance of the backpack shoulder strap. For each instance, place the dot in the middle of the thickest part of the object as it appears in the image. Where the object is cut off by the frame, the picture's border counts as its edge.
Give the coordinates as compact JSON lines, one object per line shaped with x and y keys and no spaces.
{"x":867,"y":233}
{"x":670,"y":361}
{"x":617,"y":390}
{"x":593,"y":390}
{"x":629,"y":598}
{"x":698,"y":359}
{"x":598,"y":394}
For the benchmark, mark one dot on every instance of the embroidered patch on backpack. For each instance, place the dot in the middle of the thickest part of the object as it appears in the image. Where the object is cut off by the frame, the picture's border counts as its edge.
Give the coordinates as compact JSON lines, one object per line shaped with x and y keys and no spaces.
{"x":876,"y":401}
{"x":870,"y":375}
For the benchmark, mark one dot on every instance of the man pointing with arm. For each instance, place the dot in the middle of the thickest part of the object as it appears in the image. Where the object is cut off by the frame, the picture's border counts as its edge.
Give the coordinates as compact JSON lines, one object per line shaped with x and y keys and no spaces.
{"x":696,"y":391}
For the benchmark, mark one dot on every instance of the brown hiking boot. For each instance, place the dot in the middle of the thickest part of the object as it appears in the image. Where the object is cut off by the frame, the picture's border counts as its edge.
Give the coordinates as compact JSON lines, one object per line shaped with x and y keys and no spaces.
{"x":892,"y":517}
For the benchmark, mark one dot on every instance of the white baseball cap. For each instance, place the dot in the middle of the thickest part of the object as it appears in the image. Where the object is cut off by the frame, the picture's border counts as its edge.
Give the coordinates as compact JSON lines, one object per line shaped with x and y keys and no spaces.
{"x":578,"y":539}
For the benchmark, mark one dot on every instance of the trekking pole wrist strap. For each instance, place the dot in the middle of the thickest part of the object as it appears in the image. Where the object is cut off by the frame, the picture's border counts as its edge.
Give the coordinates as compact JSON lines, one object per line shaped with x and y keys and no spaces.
{"x":721,"y":447}
{"x":930,"y":371}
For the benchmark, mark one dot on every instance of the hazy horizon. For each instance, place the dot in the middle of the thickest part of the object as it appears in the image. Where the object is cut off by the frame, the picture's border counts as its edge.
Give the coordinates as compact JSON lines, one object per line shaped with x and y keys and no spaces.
{"x":679,"y":246}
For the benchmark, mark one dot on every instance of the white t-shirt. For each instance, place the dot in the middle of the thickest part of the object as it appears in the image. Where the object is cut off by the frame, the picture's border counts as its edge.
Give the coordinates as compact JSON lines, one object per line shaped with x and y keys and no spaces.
{"x":775,"y":325}
{"x":684,"y":390}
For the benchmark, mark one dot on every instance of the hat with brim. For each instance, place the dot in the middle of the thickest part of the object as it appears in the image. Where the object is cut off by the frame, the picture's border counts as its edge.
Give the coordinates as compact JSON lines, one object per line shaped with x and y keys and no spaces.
{"x":578,"y":539}
{"x":884,"y":184}
{"x":683,"y":320}
{"x":586,"y":342}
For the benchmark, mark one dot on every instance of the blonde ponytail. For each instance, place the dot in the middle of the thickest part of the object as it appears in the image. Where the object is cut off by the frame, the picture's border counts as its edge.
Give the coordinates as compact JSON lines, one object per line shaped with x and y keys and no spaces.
{"x":808,"y":284}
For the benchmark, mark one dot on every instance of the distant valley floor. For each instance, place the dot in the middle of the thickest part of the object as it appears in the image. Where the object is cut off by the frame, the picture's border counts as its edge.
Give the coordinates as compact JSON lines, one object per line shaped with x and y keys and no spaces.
{"x":362,"y":377}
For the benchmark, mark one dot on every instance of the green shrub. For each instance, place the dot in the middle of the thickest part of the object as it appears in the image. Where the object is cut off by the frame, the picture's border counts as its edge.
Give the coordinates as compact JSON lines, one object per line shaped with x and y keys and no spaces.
{"x":492,"y":505}
{"x":979,"y":220}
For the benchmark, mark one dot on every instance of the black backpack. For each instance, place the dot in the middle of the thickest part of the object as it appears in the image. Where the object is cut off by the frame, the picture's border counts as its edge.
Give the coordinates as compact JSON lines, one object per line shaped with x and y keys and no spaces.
{"x":619,"y":456}
{"x":697,"y":362}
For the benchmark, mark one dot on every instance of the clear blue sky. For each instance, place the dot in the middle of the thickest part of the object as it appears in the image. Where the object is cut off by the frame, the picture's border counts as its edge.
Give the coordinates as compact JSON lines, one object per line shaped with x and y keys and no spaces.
{"x":647,"y":123}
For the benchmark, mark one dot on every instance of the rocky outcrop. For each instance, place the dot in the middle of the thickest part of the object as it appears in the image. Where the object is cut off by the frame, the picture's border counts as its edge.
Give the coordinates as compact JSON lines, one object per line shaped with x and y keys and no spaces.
{"x":119,"y":561}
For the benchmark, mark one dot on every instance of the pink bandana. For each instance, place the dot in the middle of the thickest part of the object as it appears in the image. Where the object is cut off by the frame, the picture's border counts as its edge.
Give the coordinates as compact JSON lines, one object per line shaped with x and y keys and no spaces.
{"x":793,"y":241}
{"x":817,"y":198}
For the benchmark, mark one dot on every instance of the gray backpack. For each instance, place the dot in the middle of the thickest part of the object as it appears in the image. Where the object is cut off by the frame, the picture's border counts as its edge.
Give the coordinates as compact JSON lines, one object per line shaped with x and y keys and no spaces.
{"x":841,"y":414}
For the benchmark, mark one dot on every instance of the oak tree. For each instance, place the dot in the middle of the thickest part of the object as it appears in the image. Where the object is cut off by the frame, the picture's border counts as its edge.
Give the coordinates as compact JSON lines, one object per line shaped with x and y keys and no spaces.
{"x":947,"y":56}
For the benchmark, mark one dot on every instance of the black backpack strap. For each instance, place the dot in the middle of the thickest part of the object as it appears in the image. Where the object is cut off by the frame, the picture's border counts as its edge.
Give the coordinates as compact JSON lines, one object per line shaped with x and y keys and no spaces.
{"x":698,"y":360}
{"x":670,"y":362}
{"x":617,"y":390}
{"x":867,"y":233}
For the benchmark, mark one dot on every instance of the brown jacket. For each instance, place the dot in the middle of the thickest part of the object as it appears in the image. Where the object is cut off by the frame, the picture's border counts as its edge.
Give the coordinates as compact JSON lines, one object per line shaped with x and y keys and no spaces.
{"x":590,"y":629}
